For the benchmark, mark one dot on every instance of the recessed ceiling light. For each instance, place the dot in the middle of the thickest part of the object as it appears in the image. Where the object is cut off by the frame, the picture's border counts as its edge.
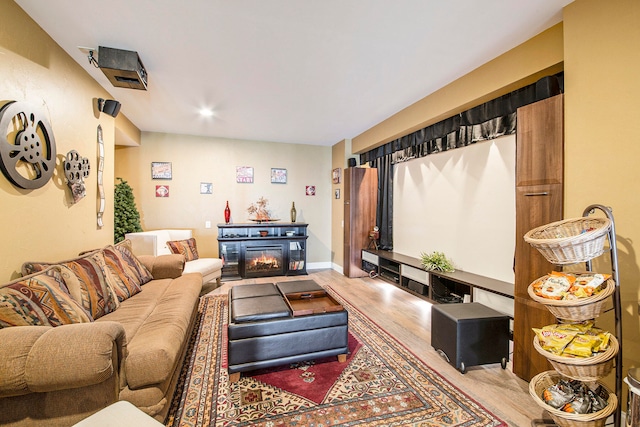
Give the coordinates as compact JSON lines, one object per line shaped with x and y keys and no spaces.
{"x":206,"y":112}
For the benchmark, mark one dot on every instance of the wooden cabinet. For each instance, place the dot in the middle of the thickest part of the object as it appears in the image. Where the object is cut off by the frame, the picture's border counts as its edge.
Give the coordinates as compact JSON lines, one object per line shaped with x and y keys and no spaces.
{"x":539,"y":201}
{"x":360,"y":202}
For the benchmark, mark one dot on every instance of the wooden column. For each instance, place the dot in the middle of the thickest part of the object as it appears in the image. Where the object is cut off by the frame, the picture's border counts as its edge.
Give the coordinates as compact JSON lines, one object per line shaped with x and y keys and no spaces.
{"x":539,"y":201}
{"x":360,"y":202}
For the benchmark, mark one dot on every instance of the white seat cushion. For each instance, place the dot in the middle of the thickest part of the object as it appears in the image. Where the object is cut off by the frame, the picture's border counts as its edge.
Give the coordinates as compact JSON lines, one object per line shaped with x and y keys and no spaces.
{"x":210,"y":268}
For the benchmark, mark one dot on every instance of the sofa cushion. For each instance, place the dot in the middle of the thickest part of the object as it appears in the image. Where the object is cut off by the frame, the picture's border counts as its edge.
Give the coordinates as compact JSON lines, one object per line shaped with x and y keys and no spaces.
{"x":136,"y":269}
{"x":203,"y":266}
{"x":186,"y":247}
{"x":39,"y":299}
{"x":156,"y":345}
{"x":124,"y":285}
{"x":86,"y":280}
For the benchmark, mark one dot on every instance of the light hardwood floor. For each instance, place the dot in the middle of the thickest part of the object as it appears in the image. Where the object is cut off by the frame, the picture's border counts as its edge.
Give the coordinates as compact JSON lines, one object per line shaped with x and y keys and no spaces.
{"x":408,"y":319}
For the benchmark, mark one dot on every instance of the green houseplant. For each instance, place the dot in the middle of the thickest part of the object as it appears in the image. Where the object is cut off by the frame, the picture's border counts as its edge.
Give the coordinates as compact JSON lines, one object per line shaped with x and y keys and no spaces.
{"x":126,"y":215}
{"x":436,"y":261}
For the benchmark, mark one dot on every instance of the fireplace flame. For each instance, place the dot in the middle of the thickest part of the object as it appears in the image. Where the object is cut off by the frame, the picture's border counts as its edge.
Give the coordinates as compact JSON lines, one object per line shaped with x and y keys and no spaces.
{"x":265,"y":263}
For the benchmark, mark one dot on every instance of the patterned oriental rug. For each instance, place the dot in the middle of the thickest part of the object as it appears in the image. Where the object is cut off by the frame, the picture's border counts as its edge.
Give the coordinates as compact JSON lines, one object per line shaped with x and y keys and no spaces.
{"x":381,"y":384}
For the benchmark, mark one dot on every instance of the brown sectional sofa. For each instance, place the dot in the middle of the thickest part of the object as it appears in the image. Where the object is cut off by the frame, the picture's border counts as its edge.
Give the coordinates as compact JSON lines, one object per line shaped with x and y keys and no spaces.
{"x":57,"y":375}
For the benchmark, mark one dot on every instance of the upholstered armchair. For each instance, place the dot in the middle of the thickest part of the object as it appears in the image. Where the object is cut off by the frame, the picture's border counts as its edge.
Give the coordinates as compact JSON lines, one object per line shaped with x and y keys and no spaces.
{"x":155,"y":243}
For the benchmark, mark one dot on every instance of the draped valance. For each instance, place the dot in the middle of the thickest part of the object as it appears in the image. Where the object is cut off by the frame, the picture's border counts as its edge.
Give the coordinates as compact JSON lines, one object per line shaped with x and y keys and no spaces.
{"x":490,"y":120}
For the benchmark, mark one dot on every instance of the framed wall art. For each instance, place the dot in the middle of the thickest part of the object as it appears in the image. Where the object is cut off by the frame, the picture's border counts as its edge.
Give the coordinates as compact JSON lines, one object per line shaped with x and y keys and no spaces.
{"x":162,"y":191}
{"x":310,"y":190}
{"x":337,"y":193}
{"x":278,"y":176}
{"x":206,"y":188}
{"x":335,"y":176}
{"x":244,"y":174}
{"x":161,"y":170}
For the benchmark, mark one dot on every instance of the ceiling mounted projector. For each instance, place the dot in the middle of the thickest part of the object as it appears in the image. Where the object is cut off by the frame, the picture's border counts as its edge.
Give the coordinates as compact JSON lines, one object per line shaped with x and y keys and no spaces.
{"x":123,"y":68}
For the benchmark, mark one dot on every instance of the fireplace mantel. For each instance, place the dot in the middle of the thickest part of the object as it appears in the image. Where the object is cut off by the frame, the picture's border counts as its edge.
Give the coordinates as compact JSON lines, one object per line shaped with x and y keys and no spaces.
{"x":240,"y":245}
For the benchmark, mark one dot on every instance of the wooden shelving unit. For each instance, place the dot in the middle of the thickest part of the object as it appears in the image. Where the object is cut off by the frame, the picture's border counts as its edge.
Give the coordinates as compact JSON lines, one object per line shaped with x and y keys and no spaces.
{"x":407,"y":273}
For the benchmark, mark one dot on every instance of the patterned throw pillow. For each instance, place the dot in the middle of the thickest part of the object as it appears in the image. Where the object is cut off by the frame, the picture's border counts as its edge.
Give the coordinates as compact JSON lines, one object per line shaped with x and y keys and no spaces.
{"x":118,"y":275}
{"x":39,"y":299}
{"x":135,"y":268}
{"x":86,"y":280}
{"x":184,"y":247}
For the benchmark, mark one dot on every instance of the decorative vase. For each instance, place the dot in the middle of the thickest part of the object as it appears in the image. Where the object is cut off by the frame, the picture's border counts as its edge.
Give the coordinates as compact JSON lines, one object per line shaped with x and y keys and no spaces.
{"x":293,"y":212}
{"x":227,"y":213}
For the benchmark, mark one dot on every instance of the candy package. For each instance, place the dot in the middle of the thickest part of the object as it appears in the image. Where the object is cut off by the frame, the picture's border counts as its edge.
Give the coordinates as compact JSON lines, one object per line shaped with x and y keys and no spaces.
{"x":575,"y":397}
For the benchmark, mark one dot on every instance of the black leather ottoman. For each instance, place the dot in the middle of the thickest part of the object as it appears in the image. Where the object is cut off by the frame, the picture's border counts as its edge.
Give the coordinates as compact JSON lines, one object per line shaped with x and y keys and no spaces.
{"x":262,"y":331}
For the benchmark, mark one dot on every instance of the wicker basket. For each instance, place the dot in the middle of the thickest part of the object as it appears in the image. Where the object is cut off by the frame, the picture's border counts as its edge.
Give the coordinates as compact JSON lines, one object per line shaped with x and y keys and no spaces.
{"x":565,"y":419}
{"x":567,"y":242}
{"x":582,"y":368}
{"x":576,"y":310}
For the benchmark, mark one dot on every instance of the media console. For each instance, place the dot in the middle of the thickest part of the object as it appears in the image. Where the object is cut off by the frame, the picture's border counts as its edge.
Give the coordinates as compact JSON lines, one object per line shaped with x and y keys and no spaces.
{"x":262,"y":249}
{"x":460,"y":286}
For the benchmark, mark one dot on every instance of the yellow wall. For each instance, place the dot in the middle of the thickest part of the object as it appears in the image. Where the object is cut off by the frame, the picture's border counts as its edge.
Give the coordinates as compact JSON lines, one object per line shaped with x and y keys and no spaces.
{"x":540,"y":56}
{"x":44,"y":224}
{"x":597,"y":45}
{"x":201,"y":159}
{"x":338,"y":160}
{"x":602,"y":134}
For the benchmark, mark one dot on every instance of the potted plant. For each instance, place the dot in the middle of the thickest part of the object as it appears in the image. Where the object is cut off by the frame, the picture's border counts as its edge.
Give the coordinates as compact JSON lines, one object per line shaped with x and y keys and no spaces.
{"x":436,"y":261}
{"x":126,"y":217}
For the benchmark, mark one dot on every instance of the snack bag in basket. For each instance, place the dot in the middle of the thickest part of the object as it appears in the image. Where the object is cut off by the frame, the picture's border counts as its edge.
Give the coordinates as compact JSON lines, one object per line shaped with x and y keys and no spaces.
{"x":554,"y":286}
{"x":554,"y":340}
{"x":588,"y":284}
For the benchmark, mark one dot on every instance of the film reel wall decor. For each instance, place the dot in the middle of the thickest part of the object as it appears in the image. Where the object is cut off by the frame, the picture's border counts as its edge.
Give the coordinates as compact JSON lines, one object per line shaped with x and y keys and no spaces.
{"x":27,"y":145}
{"x":76,"y":169}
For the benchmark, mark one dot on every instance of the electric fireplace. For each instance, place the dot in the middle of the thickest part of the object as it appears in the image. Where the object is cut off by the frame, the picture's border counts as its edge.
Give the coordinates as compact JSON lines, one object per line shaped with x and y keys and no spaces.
{"x":264,"y":260}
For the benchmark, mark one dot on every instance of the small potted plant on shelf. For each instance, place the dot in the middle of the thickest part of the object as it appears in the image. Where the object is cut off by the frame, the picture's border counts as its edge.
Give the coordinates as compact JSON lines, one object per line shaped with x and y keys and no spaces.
{"x":436,"y":261}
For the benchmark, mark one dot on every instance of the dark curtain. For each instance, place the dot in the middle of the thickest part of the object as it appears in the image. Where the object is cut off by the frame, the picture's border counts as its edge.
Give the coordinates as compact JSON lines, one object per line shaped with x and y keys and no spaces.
{"x":384,"y":210}
{"x":490,"y":120}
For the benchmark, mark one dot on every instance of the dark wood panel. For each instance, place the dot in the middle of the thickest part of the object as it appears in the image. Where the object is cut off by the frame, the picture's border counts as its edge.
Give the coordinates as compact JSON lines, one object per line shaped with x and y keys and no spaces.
{"x":539,"y":201}
{"x":527,"y":362}
{"x":535,"y":206}
{"x":360,"y":202}
{"x":539,"y":149}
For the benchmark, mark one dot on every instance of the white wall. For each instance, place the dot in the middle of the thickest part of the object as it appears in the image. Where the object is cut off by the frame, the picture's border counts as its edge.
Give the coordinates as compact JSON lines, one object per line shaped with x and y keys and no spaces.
{"x":460,"y":202}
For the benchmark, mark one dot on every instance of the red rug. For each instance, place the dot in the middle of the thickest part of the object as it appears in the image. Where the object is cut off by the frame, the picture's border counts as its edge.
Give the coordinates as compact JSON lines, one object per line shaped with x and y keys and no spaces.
{"x":311,"y":380}
{"x":381,"y":384}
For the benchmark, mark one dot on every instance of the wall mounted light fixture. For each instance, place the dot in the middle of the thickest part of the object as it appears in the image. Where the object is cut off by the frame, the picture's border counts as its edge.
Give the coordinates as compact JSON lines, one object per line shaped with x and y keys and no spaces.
{"x":109,"y":106}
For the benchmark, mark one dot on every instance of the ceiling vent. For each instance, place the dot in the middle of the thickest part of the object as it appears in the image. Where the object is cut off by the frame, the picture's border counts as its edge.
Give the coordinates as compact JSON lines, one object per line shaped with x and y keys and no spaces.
{"x":123,"y":68}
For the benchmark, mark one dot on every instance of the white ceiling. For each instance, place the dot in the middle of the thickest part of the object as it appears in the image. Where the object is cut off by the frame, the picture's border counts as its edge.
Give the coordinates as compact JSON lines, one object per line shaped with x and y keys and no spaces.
{"x":295,"y":71}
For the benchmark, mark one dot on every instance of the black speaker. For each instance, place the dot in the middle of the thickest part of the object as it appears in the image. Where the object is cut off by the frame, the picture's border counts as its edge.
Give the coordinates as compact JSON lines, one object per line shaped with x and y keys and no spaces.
{"x":109,"y":106}
{"x":351,"y":162}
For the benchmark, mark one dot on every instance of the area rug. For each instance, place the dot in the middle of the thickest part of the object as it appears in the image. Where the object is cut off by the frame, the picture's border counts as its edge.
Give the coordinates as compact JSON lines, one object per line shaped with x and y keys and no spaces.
{"x":381,"y":384}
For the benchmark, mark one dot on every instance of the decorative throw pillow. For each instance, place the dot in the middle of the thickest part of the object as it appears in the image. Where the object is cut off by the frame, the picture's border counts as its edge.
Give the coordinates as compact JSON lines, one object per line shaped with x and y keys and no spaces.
{"x":136,"y":269}
{"x":118,"y":275}
{"x":39,"y":299}
{"x":184,"y":247}
{"x":86,"y":280}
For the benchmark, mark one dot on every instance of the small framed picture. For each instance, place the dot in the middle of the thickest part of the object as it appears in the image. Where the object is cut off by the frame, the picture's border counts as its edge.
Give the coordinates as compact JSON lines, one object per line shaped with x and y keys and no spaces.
{"x":310,"y":190}
{"x":161,"y":170}
{"x":278,"y":176}
{"x":335,"y":176}
{"x":162,"y":191}
{"x":244,"y":174}
{"x":337,"y":193}
{"x":206,"y":188}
